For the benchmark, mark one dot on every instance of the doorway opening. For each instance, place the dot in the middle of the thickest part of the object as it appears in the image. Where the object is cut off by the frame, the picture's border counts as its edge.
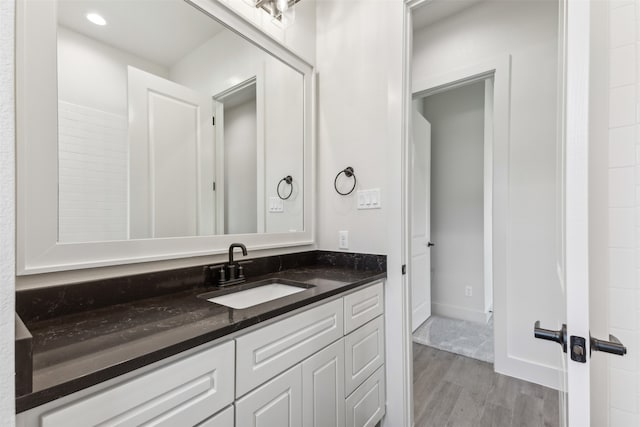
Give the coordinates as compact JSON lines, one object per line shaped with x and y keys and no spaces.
{"x":452,"y":276}
{"x":239,"y":148}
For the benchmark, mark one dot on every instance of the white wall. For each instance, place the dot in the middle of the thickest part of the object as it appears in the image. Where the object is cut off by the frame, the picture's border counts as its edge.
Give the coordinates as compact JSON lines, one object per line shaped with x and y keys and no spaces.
{"x":623,"y":206}
{"x":528,"y":31}
{"x":359,"y":60}
{"x":457,"y":201}
{"x":223,"y":62}
{"x":7,"y":213}
{"x":94,"y":74}
{"x":240,"y":171}
{"x":93,"y":162}
{"x":299,"y":37}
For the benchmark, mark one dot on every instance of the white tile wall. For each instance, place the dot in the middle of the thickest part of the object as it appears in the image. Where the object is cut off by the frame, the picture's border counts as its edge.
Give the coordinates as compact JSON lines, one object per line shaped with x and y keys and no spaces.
{"x":92,"y":158}
{"x":624,"y":193}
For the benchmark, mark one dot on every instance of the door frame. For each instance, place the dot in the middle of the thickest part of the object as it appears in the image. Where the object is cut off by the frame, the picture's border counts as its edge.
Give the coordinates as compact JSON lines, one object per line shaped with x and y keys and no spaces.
{"x":218,"y":111}
{"x":496,"y":180}
{"x":576,"y":61}
{"x":483,"y":72}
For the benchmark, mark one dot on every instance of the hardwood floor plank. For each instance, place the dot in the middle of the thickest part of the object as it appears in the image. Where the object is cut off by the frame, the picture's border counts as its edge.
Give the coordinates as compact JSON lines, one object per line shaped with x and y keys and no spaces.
{"x":453,"y":390}
{"x":438,"y":408}
{"x":528,"y":411}
{"x":467,"y":410}
{"x":495,"y":416}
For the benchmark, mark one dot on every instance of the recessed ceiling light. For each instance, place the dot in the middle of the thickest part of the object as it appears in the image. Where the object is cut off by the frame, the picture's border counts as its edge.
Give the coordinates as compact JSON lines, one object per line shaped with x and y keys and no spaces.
{"x":96,"y":19}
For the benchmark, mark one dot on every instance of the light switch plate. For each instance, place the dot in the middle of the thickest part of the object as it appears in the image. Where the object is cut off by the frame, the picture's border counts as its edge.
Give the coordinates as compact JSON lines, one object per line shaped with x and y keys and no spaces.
{"x":369,"y":199}
{"x":276,"y":205}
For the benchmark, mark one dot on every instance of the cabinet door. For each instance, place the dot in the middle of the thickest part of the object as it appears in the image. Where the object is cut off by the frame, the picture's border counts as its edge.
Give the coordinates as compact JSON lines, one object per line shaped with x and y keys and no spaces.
{"x":276,"y":403}
{"x":323,"y":388}
{"x":265,"y":352}
{"x":364,"y":353}
{"x":221,"y":419}
{"x":366,"y":405}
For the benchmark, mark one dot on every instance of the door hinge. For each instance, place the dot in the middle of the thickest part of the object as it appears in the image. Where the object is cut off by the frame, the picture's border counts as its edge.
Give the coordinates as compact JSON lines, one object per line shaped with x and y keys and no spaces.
{"x":214,"y":186}
{"x":404,"y":269}
{"x":213,"y":120}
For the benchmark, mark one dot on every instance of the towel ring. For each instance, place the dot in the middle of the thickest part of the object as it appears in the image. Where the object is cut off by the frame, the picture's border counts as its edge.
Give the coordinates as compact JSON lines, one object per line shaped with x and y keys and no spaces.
{"x":349,"y":173}
{"x":289,"y":180}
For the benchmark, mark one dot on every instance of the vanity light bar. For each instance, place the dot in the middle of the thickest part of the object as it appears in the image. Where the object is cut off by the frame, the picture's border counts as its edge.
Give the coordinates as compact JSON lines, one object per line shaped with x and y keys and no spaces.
{"x":270,"y":7}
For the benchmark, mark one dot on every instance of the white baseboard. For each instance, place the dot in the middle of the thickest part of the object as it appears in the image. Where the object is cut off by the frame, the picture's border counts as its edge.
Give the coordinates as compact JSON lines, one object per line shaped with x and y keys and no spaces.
{"x":461,"y":313}
{"x":529,"y":371}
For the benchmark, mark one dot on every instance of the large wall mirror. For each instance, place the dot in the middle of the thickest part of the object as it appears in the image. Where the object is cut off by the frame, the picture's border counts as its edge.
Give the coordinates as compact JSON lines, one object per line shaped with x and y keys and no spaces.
{"x":161,"y":132}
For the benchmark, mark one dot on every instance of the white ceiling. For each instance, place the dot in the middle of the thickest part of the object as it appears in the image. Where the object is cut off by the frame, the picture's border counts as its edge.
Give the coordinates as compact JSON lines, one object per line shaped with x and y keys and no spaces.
{"x":437,"y":10}
{"x":161,"y":31}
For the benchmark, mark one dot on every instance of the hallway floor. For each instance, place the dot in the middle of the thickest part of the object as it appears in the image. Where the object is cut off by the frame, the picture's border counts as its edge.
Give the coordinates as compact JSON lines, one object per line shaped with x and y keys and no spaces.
{"x":462,"y":337}
{"x":453,"y":390}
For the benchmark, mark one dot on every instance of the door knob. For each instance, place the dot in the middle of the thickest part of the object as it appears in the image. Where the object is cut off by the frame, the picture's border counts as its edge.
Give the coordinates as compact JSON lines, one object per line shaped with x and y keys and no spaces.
{"x":547,"y":334}
{"x":613,"y":346}
{"x":430,"y":244}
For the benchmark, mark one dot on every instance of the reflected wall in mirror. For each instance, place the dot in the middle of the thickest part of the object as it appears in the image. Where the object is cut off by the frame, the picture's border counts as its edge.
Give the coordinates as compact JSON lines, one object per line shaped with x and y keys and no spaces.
{"x":171,"y":125}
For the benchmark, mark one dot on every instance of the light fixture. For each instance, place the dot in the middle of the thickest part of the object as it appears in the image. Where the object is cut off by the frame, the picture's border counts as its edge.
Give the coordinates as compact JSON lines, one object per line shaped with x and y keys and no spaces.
{"x":96,"y":19}
{"x":280,"y":10}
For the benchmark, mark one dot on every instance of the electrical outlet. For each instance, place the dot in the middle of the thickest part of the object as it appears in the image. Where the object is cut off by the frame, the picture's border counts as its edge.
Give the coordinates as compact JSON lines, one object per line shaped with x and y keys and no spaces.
{"x":343,"y":239}
{"x":468,"y":291}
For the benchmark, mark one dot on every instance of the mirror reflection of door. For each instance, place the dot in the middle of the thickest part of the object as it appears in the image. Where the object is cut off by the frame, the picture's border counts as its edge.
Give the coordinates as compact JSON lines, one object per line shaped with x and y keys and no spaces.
{"x":236,"y":112}
{"x":170,"y":158}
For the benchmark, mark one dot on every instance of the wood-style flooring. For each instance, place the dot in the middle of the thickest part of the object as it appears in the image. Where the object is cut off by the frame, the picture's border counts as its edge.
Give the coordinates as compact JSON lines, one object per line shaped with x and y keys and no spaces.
{"x":453,"y":390}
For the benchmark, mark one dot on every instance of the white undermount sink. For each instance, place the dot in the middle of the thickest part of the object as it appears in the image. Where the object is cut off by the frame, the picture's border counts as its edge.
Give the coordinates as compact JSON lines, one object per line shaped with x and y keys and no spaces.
{"x":257,"y":295}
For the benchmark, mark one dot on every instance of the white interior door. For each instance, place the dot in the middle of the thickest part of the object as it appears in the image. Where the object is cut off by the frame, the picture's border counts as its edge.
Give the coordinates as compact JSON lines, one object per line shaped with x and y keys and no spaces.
{"x":171,"y":159}
{"x":582,"y":88}
{"x":420,"y":271}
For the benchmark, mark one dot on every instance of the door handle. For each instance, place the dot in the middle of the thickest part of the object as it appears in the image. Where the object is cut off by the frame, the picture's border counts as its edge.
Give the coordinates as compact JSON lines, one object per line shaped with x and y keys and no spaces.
{"x":550,"y":335}
{"x":430,"y":244}
{"x":613,"y":346}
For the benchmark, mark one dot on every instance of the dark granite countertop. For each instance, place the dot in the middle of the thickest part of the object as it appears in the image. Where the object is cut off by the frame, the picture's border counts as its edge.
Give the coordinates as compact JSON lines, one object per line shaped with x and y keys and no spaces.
{"x":76,"y":350}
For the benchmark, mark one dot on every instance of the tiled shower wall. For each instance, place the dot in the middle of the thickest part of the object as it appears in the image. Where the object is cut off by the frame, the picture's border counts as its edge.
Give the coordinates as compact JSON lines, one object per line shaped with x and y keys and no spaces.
{"x":624,"y":210}
{"x":93,"y":174}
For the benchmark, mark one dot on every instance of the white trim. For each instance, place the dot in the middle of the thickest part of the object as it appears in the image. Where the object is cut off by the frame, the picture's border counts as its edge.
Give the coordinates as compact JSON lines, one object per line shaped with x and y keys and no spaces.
{"x":36,"y":105}
{"x":500,"y":68}
{"x":218,"y":100}
{"x":462,"y":313}
{"x":577,"y":203}
{"x":7,"y":213}
{"x":405,"y":229}
{"x":488,"y":196}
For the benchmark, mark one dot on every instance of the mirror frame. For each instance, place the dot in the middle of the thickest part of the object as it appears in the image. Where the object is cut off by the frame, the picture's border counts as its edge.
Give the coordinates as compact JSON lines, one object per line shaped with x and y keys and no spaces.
{"x":38,"y":249}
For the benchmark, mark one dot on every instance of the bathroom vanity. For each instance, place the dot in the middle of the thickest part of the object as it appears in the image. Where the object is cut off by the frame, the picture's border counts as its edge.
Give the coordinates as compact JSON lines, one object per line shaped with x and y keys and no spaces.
{"x":312,"y":358}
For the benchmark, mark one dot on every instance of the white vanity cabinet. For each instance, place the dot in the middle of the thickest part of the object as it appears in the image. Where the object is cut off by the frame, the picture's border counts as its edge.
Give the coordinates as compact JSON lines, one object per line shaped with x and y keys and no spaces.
{"x":323,"y":397}
{"x":334,"y":354}
{"x":320,"y":367}
{"x":276,"y":403}
{"x":183,"y":392}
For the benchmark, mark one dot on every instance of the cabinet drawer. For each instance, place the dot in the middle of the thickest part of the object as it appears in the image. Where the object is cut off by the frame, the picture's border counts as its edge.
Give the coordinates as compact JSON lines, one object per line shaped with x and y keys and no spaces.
{"x":366,"y":406}
{"x":264,"y":353}
{"x":222,"y":419}
{"x":364,"y":353}
{"x":362,"y":306}
{"x":276,"y":403}
{"x":184,"y":392}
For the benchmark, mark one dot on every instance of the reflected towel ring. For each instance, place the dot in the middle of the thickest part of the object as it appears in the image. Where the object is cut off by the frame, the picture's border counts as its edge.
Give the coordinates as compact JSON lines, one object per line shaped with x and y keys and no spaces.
{"x":349,"y":173}
{"x":289,"y":180}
